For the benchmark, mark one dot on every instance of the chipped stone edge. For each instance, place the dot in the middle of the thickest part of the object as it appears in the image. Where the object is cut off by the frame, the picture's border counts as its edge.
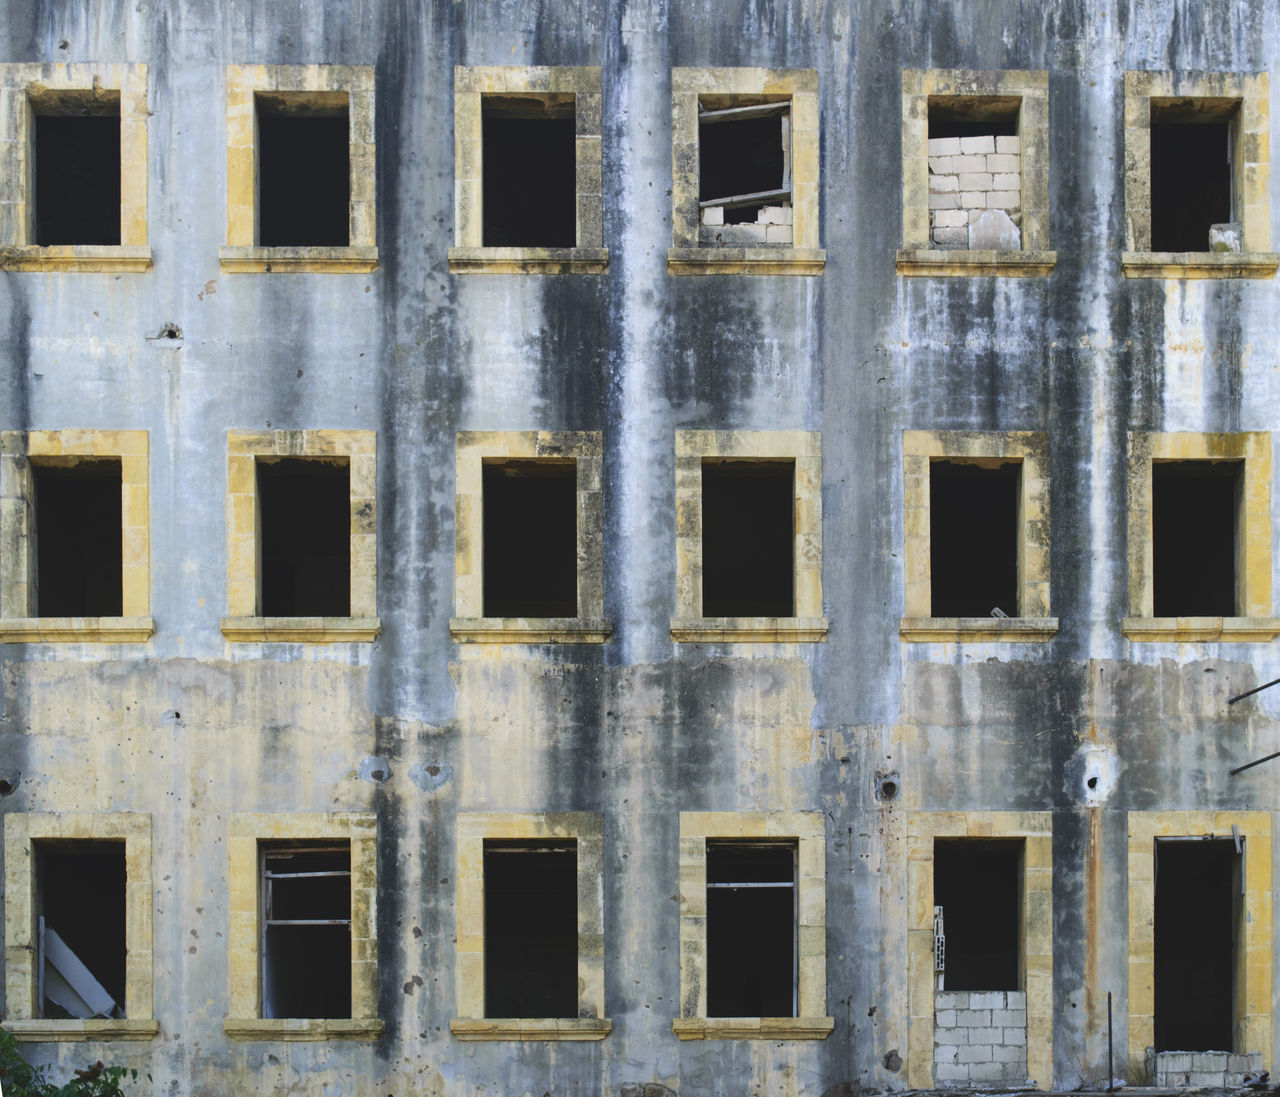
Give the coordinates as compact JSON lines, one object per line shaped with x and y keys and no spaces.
{"x":706,"y":260}
{"x":1176,"y":630}
{"x":45,"y":1031}
{"x":255,"y":260}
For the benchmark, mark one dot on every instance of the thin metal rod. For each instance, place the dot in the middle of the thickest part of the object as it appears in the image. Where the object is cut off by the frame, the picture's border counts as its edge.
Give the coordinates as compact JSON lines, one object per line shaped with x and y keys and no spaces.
{"x":1251,"y":692}
{"x":1256,"y":762}
{"x":1111,"y":1074}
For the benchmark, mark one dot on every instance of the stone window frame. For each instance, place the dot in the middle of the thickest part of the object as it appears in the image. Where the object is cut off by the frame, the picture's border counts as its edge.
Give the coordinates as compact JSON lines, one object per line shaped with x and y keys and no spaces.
{"x":473,"y":448}
{"x":587,"y":830}
{"x":805,"y":255}
{"x":242,"y":253}
{"x":1253,"y":993}
{"x":1253,"y":547}
{"x":808,"y":830}
{"x":21,"y":831}
{"x":469,"y":254}
{"x":18,"y":449}
{"x":20,"y":86}
{"x":920,"y":448}
{"x":245,"y":834}
{"x":1035,"y":828}
{"x":804,"y":447}
{"x":916,"y":258}
{"x":1252,"y":174}
{"x":359,"y":448}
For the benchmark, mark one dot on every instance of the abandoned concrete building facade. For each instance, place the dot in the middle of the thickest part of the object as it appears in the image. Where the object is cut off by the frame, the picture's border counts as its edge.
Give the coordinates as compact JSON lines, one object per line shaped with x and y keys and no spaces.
{"x":591,"y":548}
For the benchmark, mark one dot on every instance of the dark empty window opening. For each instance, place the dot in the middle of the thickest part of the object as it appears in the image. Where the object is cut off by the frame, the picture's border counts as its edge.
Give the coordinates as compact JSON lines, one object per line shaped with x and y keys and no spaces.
{"x":751,"y":928}
{"x":973,"y":538}
{"x":530,"y":928}
{"x":978,"y":885}
{"x":77,"y":168}
{"x":304,"y":524}
{"x":744,"y":157}
{"x":530,"y":171}
{"x":79,"y":554}
{"x":973,"y":116}
{"x":748,"y":538}
{"x":1197,"y":927}
{"x":80,"y":895}
{"x":1194,"y":513}
{"x":1191,"y":171}
{"x":306,"y":930}
{"x":530,"y":538}
{"x":304,"y":170}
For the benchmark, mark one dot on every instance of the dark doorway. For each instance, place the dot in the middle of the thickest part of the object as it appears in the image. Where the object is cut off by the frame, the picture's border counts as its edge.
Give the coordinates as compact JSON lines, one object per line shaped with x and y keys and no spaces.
{"x":748,"y":538}
{"x":978,"y":885}
{"x":1190,"y":180}
{"x":741,"y":152}
{"x":530,"y":172}
{"x":751,"y":929}
{"x":530,"y":539}
{"x":79,"y":554}
{"x":1197,"y":913}
{"x":973,"y":538}
{"x":1194,"y":508}
{"x":530,"y":929}
{"x":304,"y":522}
{"x":304,"y":171}
{"x":77,"y":171}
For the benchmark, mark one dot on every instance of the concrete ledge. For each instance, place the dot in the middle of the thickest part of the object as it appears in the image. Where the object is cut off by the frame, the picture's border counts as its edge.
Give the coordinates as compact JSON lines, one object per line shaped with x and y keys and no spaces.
{"x":530,"y":630}
{"x":762,"y":260}
{"x":87,"y":258}
{"x":749,"y":630}
{"x":302,"y":630}
{"x":302,"y":1028}
{"x":929,"y":263}
{"x":1015,"y":630}
{"x":528,"y":260}
{"x":1179,"y":630}
{"x":44,"y":1031}
{"x":527,"y":1029}
{"x":354,"y":260}
{"x":1198,"y":264}
{"x":752,"y":1028}
{"x":76,"y":630}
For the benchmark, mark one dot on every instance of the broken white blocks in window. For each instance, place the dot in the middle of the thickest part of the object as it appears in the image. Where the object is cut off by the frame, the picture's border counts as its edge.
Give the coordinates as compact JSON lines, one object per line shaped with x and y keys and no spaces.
{"x":975,"y":193}
{"x":980,"y":1036}
{"x":773,"y":225}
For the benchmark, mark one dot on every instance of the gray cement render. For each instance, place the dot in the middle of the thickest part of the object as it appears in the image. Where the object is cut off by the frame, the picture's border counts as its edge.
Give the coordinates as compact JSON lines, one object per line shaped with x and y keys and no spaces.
{"x":190,"y":729}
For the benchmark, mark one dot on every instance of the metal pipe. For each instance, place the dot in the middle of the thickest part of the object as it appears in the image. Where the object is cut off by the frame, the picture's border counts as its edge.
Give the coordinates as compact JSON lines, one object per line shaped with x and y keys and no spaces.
{"x":1111,"y":1073}
{"x":1251,"y":692}
{"x":1255,"y":762}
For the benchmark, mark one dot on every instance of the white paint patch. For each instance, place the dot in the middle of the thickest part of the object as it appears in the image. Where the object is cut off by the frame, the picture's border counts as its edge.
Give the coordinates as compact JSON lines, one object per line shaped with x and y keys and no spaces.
{"x":1100,"y":772}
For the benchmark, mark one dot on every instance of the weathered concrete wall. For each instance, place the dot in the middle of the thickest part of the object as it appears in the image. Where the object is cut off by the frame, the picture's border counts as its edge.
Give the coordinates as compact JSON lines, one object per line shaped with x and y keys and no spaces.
{"x":190,"y":729}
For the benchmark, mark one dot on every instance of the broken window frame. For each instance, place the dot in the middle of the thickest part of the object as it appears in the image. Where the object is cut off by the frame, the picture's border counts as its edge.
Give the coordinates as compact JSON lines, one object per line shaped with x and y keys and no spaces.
{"x":728,"y":115}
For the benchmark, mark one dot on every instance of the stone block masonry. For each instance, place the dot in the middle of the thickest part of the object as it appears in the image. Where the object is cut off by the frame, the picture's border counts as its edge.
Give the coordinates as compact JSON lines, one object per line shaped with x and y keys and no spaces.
{"x":1219,"y":1069}
{"x":970,"y":177}
{"x":980,"y":1035}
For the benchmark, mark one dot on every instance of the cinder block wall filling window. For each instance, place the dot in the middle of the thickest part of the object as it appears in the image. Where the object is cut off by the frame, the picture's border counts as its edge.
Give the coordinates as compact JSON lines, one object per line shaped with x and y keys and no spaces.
{"x":975,"y":172}
{"x":77,"y":168}
{"x":1191,"y":171}
{"x":978,"y":885}
{"x":748,"y":538}
{"x":530,"y":172}
{"x":304,"y":170}
{"x":79,"y":554}
{"x":1195,"y":508}
{"x":973,"y":538}
{"x":530,"y":538}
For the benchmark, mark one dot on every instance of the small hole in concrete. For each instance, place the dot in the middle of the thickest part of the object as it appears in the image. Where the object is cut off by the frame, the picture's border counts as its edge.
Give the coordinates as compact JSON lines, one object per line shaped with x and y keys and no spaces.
{"x":1092,"y":782}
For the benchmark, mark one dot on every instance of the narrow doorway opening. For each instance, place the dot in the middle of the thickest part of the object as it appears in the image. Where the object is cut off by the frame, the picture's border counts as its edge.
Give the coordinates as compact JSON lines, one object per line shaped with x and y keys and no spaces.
{"x":978,"y":885}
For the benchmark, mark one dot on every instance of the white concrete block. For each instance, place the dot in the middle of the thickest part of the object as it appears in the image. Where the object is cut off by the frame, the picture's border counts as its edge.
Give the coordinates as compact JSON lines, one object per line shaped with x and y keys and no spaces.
{"x":946,"y":1053}
{"x":743,"y":234}
{"x":971,"y":146}
{"x":944,"y":1018}
{"x":779,"y":234}
{"x":1010,"y":1055}
{"x":986,"y":999}
{"x":950,"y":999}
{"x":950,"y":238}
{"x":1009,"y":1018}
{"x":969,"y":163}
{"x":974,"y":199}
{"x":713,"y":215}
{"x":943,"y":165}
{"x":995,"y":231}
{"x":1004,"y":199}
{"x":973,"y":1018}
{"x":1015,"y":999}
{"x":952,"y":219}
{"x":1012,"y":145}
{"x":1004,"y":163}
{"x":1007,"y":181}
{"x":974,"y":1053}
{"x":944,"y":146}
{"x":945,"y":201}
{"x":774,"y":215}
{"x":976,"y":180}
{"x":1228,"y":236}
{"x":943,"y":184}
{"x":984,"y":1035}
{"x":950,"y":1072}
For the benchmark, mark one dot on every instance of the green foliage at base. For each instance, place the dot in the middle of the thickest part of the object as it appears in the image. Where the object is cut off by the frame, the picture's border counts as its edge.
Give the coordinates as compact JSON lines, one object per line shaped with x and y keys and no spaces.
{"x":18,"y":1078}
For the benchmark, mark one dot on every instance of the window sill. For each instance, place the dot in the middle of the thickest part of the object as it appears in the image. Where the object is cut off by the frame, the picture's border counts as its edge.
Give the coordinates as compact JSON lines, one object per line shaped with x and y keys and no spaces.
{"x":528,"y":260}
{"x":42,"y":1031}
{"x":302,"y":630}
{"x":1199,"y":264}
{"x":530,"y":630}
{"x":1025,"y":630}
{"x":752,"y":1028}
{"x":928,"y":263}
{"x":731,"y":260}
{"x":353,"y":260}
{"x":86,"y":258}
{"x":302,"y":1028}
{"x":76,"y":630}
{"x":1178,"y":630}
{"x":749,"y":630}
{"x":530,"y":1029}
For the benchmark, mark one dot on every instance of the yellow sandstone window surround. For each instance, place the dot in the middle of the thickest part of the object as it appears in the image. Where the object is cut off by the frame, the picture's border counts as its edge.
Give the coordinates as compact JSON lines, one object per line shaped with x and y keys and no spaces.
{"x":24,"y":835}
{"x":260,"y":92}
{"x":29,"y":92}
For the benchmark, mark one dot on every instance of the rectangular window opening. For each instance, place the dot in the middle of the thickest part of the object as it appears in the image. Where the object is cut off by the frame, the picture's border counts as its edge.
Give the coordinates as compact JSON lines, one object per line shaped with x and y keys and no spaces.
{"x":744,"y":160}
{"x":530,"y":171}
{"x":77,"y":167}
{"x":306,"y":930}
{"x":530,"y":928}
{"x":1195,"y":508}
{"x":530,"y":538}
{"x":79,"y":548}
{"x":1198,"y":912}
{"x":304,"y":169}
{"x":977,"y":883}
{"x":304,"y":522}
{"x":974,"y":537}
{"x":1191,"y":170}
{"x":751,"y":928}
{"x":748,"y":538}
{"x":80,"y":903}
